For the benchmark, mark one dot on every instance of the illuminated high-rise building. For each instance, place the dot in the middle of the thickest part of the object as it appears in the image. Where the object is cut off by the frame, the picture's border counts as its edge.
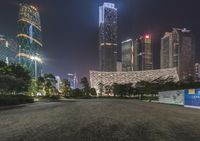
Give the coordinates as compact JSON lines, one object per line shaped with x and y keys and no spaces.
{"x":107,"y":37}
{"x":8,"y":50}
{"x":168,"y":56}
{"x":73,"y":80}
{"x":127,"y":55}
{"x":143,"y":53}
{"x":178,"y":50}
{"x":29,"y":39}
{"x":197,"y":72}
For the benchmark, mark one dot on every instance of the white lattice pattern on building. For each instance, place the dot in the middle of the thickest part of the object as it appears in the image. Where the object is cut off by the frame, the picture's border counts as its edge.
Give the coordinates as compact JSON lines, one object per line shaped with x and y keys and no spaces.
{"x":108,"y":78}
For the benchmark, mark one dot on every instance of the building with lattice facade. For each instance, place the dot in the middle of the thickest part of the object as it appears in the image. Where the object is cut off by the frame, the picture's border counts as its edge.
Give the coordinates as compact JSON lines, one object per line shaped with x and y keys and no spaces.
{"x":29,"y":39}
{"x":107,"y":37}
{"x":8,"y":50}
{"x":109,"y":78}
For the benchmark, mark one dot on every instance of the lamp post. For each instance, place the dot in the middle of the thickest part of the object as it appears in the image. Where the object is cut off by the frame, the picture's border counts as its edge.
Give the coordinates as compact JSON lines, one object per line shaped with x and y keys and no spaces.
{"x":36,"y":60}
{"x":19,"y":54}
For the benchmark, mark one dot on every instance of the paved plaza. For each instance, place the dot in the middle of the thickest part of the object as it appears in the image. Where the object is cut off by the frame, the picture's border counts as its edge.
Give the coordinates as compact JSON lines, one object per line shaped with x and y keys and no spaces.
{"x":99,"y":120}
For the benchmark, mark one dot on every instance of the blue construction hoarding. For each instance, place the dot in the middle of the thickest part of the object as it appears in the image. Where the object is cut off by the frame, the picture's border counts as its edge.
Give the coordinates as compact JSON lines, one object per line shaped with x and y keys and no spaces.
{"x":192,"y":98}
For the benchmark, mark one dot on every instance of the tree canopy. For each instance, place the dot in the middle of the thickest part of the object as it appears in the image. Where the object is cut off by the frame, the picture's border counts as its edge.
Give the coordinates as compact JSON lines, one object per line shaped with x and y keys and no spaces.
{"x":13,"y":79}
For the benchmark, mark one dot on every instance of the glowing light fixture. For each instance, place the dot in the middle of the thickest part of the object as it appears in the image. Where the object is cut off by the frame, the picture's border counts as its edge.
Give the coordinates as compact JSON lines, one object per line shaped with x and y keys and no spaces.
{"x":147,"y":36}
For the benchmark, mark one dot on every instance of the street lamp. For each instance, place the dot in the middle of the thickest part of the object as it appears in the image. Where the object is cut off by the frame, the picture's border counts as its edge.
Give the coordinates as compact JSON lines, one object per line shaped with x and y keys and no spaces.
{"x":36,"y":59}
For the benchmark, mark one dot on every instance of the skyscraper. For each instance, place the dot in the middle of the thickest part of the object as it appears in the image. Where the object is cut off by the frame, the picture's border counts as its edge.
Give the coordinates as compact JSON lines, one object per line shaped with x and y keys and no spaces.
{"x":197,"y":72}
{"x":127,"y":55}
{"x":168,"y":56}
{"x":29,"y":39}
{"x":8,"y":50}
{"x":178,"y":51}
{"x":73,"y":80}
{"x":143,"y":53}
{"x":107,"y":37}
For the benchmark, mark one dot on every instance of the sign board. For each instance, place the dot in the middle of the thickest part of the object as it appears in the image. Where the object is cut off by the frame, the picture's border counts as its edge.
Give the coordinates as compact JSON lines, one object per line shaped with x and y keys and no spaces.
{"x":192,"y":98}
{"x":172,"y":97}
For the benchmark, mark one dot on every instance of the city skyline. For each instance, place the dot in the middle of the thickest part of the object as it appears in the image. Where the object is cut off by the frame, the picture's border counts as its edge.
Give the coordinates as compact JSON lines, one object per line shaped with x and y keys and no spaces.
{"x":62,"y":52}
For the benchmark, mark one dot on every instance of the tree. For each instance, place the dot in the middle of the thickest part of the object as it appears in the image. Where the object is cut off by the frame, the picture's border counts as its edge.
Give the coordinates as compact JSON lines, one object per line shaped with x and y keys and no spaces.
{"x":65,"y":87}
{"x":108,"y":89}
{"x":140,"y":86}
{"x":40,"y":85}
{"x":22,"y":76}
{"x":129,"y":89}
{"x":33,"y":88}
{"x":14,"y":79}
{"x":93,"y":92}
{"x":101,"y":88}
{"x":76,"y":93}
{"x":85,"y":86}
{"x":46,"y":85}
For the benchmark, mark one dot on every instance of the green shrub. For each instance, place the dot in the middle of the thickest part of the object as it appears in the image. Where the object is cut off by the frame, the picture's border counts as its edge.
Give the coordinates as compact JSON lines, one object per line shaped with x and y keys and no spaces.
{"x":56,"y":97}
{"x":15,"y":99}
{"x":52,"y":98}
{"x":150,"y":98}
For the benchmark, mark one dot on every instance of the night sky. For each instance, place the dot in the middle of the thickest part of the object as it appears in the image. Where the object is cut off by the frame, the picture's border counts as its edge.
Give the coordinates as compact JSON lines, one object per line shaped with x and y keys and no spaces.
{"x":70,"y":27}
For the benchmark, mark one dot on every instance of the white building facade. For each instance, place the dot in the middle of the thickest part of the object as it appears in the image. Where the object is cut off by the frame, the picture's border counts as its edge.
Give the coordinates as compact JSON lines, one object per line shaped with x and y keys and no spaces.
{"x":109,"y":78}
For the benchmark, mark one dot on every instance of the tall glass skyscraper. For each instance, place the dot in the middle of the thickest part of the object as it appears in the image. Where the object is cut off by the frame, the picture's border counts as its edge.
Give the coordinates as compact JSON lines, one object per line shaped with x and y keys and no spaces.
{"x":144,"y":53}
{"x":107,"y":37}
{"x":127,"y":55}
{"x":178,"y":50}
{"x":29,"y":39}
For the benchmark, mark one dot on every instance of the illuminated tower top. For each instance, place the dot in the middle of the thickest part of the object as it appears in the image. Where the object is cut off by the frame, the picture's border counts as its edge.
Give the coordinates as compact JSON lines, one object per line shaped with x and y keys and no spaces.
{"x":102,"y":11}
{"x":107,"y":37}
{"x":30,"y":14}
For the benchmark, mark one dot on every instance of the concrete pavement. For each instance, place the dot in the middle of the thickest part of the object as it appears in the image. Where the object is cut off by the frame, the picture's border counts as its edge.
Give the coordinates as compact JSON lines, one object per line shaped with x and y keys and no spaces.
{"x":99,"y":120}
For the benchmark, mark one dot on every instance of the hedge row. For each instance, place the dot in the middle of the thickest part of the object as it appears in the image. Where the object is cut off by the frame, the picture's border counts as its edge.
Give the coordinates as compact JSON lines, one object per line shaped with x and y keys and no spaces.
{"x":15,"y":99}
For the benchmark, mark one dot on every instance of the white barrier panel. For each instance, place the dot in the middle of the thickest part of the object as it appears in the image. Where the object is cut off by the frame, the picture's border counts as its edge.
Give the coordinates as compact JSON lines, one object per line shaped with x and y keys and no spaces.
{"x":172,"y":97}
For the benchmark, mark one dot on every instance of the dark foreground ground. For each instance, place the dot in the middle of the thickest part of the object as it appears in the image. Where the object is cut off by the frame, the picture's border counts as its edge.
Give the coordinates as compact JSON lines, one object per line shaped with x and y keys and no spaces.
{"x":100,"y":120}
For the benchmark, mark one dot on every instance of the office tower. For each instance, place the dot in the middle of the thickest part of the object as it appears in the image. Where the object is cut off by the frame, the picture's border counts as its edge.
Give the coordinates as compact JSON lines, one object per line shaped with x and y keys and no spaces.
{"x":197,"y":72}
{"x":29,"y":39}
{"x":107,"y":37}
{"x":166,"y":58}
{"x":8,"y":50}
{"x":177,"y":50}
{"x":127,"y":55}
{"x":73,"y":80}
{"x":119,"y":66}
{"x":143,"y":53}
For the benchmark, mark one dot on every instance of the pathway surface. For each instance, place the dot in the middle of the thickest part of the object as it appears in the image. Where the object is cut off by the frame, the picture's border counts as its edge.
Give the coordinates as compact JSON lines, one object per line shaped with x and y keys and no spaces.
{"x":100,"y":120}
